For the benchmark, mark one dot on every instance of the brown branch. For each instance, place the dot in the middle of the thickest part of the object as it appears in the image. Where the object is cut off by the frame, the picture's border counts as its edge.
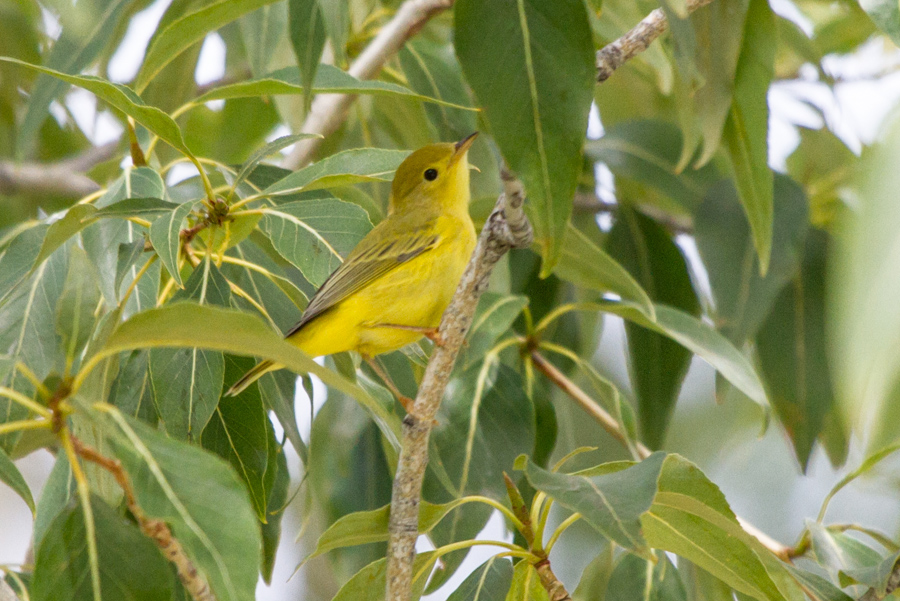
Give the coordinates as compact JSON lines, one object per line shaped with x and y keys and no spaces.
{"x":613,"y":55}
{"x":506,"y":228}
{"x":61,"y":178}
{"x":157,"y":530}
{"x":612,"y":427}
{"x":554,"y":587}
{"x":328,"y":111}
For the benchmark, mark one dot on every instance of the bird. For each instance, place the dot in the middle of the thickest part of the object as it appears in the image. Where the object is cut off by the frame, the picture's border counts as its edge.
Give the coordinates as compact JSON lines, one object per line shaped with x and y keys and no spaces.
{"x":394,"y":286}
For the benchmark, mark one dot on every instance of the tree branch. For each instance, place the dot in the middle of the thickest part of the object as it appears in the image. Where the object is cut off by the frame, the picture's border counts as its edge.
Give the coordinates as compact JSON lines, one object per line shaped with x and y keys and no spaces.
{"x":612,"y":427}
{"x":613,"y":55}
{"x":61,"y":178}
{"x":506,"y":228}
{"x":157,"y":530}
{"x":328,"y":111}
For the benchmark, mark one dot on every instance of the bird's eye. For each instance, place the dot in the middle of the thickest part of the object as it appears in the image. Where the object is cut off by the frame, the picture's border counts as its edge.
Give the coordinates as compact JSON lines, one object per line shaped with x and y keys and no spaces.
{"x":431,"y":174}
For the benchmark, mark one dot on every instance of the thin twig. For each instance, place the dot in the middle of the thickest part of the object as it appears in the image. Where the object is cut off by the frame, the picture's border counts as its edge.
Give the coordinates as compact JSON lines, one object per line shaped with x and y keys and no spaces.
{"x":612,"y":427}
{"x":62,"y":178}
{"x":157,"y":530}
{"x":613,"y":55}
{"x":328,"y":111}
{"x":507,"y":227}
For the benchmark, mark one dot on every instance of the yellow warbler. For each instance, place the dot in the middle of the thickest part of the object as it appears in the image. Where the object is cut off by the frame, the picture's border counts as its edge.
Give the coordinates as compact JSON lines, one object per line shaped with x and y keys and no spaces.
{"x":394,"y":286}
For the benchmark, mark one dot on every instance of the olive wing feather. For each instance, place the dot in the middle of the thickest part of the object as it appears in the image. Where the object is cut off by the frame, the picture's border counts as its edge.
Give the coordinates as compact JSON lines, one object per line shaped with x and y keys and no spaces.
{"x":377,"y":254}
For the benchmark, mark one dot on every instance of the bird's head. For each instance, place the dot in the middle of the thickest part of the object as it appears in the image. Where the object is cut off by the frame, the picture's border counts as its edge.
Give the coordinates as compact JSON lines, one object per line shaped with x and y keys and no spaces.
{"x":435,"y":176}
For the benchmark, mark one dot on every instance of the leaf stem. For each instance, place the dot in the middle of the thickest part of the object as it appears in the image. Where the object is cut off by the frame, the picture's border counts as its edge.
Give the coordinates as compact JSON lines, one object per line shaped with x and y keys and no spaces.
{"x":137,"y":278}
{"x":25,"y":424}
{"x":21,"y":399}
{"x":32,"y":377}
{"x":84,"y":495}
{"x":559,"y":530}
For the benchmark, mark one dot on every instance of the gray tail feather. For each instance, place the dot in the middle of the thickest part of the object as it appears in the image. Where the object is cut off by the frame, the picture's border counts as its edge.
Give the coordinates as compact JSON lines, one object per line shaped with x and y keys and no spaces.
{"x":251,"y":376}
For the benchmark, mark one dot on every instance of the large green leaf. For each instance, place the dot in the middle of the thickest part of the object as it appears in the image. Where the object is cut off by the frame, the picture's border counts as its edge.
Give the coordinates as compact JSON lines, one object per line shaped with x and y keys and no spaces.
{"x":341,"y":169}
{"x":612,"y":503}
{"x":743,"y":297}
{"x":690,"y":517}
{"x":328,"y":80}
{"x":123,"y":99}
{"x":262,"y":32}
{"x":165,"y":236}
{"x":307,"y":31}
{"x":369,"y":583}
{"x":793,"y":352}
{"x":531,"y":65}
{"x":315,"y":235}
{"x":12,"y":477}
{"x":58,"y":491}
{"x":18,"y":257}
{"x":186,"y":31}
{"x":491,"y":580}
{"x":77,"y":307}
{"x":432,"y":70}
{"x":697,"y":336}
{"x":131,"y":567}
{"x":239,"y":431}
{"x":657,"y":363}
{"x":494,"y":317}
{"x":526,"y":584}
{"x":187,"y":382}
{"x":85,"y":33}
{"x":747,"y":128}
{"x":707,"y":46}
{"x":584,"y":264}
{"x":176,"y":325}
{"x":637,"y":578}
{"x":214,"y":523}
{"x":865,"y":323}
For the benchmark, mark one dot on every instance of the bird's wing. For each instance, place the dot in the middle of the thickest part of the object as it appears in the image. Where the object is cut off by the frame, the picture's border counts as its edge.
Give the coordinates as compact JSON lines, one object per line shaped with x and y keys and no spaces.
{"x":386,"y":247}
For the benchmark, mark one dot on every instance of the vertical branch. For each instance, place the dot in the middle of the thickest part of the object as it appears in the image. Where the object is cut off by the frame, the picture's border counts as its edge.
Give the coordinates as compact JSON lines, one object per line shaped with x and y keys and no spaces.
{"x":506,"y":228}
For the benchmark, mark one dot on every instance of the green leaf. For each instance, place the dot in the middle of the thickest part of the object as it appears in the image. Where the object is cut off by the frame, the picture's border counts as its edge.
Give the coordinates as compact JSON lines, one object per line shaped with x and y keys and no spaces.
{"x":494,"y":317}
{"x":187,"y":382}
{"x":886,"y":15}
{"x":362,"y":527}
{"x":123,"y":99}
{"x":491,"y":580}
{"x":793,"y":352}
{"x":277,"y":392}
{"x":839,"y":553}
{"x":62,"y":230}
{"x":865,"y":324}
{"x":432,"y":70}
{"x":531,"y":65}
{"x":165,"y":236}
{"x":12,"y":477}
{"x":690,"y":517}
{"x":278,"y":499}
{"x":612,"y":503}
{"x":369,"y":583}
{"x":58,"y":491}
{"x":28,"y":333}
{"x":214,"y":523}
{"x":526,"y":584}
{"x":586,"y":265}
{"x":747,"y":127}
{"x":876,"y":577}
{"x":270,"y":148}
{"x":307,"y":29}
{"x":818,"y":588}
{"x":707,"y":47}
{"x":328,"y":80}
{"x":701,"y":585}
{"x":132,"y":391}
{"x":743,"y":298}
{"x":239,"y":431}
{"x":76,"y":307}
{"x":184,"y":32}
{"x":137,"y":207}
{"x":657,"y":364}
{"x":647,"y":151}
{"x":233,"y":332}
{"x":341,"y":169}
{"x":131,"y":566}
{"x":636,"y":578}
{"x":315,"y":234}
{"x":595,"y":577}
{"x":86,"y":32}
{"x":262,"y":32}
{"x":18,"y":257}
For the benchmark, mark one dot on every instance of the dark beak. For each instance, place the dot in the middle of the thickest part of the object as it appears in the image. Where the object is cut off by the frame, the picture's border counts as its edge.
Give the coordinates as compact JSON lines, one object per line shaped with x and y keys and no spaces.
{"x":463,"y":145}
